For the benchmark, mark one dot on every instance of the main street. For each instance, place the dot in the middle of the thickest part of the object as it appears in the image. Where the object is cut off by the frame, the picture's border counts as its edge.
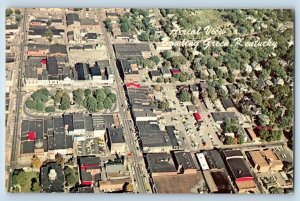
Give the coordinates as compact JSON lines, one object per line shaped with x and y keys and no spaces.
{"x":136,"y":157}
{"x":22,"y":60}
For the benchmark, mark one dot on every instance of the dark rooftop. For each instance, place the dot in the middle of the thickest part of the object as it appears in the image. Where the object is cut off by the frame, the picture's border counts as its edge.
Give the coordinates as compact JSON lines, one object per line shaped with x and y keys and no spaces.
{"x":91,"y":36}
{"x":160,"y":162}
{"x":27,"y":147}
{"x":214,"y":159}
{"x":88,"y":123}
{"x":116,"y":135}
{"x":55,"y":185}
{"x":221,"y":116}
{"x":222,"y":182}
{"x":227,"y":103}
{"x":185,"y":159}
{"x":71,"y":18}
{"x":58,"y":49}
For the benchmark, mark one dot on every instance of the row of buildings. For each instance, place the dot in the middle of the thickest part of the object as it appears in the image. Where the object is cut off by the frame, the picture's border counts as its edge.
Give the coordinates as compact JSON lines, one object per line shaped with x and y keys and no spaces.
{"x":49,"y":65}
{"x":71,"y":134}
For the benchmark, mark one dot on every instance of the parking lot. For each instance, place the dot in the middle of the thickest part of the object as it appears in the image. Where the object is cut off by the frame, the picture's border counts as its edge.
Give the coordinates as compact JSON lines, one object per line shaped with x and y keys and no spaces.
{"x":284,"y":154}
{"x":87,"y":56}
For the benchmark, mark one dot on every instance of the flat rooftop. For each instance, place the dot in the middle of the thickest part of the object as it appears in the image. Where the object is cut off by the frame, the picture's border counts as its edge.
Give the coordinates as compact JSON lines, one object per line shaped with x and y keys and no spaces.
{"x":161,"y":162}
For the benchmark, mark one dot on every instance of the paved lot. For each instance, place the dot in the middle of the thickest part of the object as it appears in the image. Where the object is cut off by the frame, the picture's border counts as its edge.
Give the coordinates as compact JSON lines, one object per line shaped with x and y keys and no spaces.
{"x":87,"y":56}
{"x":284,"y":154}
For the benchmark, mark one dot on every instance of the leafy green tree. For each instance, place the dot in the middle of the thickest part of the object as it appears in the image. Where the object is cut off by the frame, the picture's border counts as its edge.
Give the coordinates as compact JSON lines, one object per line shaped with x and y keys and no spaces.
{"x":31,"y":104}
{"x":107,"y":90}
{"x":107,"y":103}
{"x":44,"y":91}
{"x":48,"y":22}
{"x":164,"y":105}
{"x":167,"y":64}
{"x":18,"y":12}
{"x":178,"y":60}
{"x":50,"y":109}
{"x":229,"y":140}
{"x":8,"y":12}
{"x":35,"y":187}
{"x":78,"y":96}
{"x":100,"y":105}
{"x":100,"y":94}
{"x":112,"y":97}
{"x":108,"y":25}
{"x":185,"y":96}
{"x":87,"y":92}
{"x":71,"y":176}
{"x":49,"y":35}
{"x":91,"y":104}
{"x":166,"y":54}
{"x":36,"y":96}
{"x":65,"y":102}
{"x":155,"y":59}
{"x":58,"y":95}
{"x":241,"y":139}
{"x":125,"y":24}
{"x":40,"y":106}
{"x":144,"y":36}
{"x":18,"y":18}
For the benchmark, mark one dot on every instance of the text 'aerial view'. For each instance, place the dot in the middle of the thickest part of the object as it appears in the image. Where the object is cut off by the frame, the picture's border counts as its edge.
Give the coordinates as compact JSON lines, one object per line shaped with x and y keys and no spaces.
{"x":102,"y":100}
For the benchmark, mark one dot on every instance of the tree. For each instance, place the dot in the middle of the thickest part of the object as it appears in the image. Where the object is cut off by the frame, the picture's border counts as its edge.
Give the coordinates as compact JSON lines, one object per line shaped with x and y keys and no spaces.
{"x":59,"y":159}
{"x":49,"y":35}
{"x":91,"y":104}
{"x":277,"y":134}
{"x":229,"y":140}
{"x":164,"y":105}
{"x":35,"y":187}
{"x":166,"y":54}
{"x":50,"y":109}
{"x":40,"y":106}
{"x":18,"y":18}
{"x":107,"y":90}
{"x":144,"y":36}
{"x":185,"y":96}
{"x":8,"y":12}
{"x":100,"y":105}
{"x":17,"y":11}
{"x":71,"y":176}
{"x":78,"y":96}
{"x":48,"y":22}
{"x":124,"y":24}
{"x":31,"y":104}
{"x":112,"y":97}
{"x":167,"y":64}
{"x":65,"y":101}
{"x":108,"y":25}
{"x":58,"y":95}
{"x":100,"y":94}
{"x":265,"y":135}
{"x":107,"y":103}
{"x":36,"y":162}
{"x":241,"y":139}
{"x":178,"y":60}
{"x":155,"y":59}
{"x":87,"y":92}
{"x":44,"y":91}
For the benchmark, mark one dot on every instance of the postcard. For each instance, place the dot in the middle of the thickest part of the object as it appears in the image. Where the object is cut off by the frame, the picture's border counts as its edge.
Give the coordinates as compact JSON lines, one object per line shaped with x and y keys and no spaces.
{"x":102,"y":100}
